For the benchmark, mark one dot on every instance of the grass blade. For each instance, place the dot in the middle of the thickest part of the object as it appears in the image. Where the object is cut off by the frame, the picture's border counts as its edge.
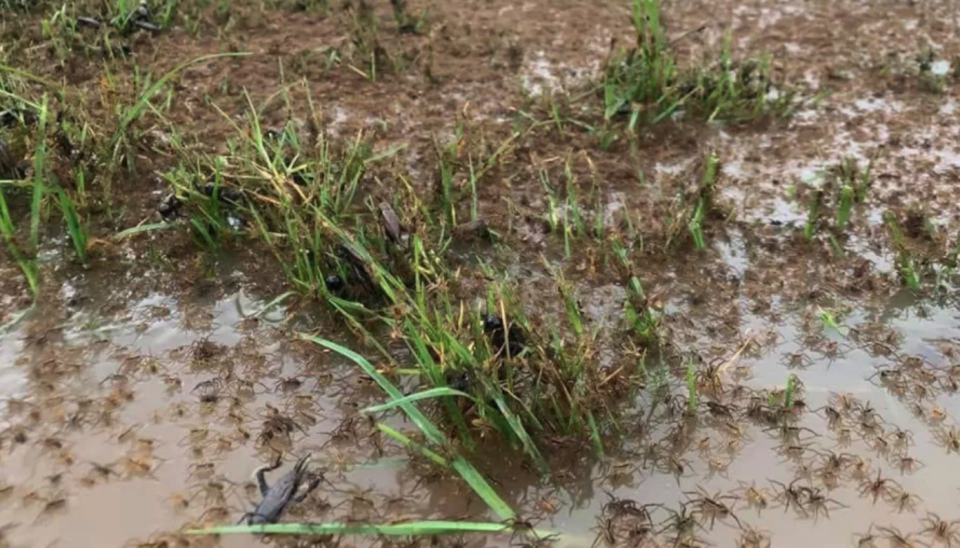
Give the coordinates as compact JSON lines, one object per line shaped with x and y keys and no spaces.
{"x":137,"y":108}
{"x":426,"y":394}
{"x":141,"y":229}
{"x":39,"y":164}
{"x":413,"y":528}
{"x":410,"y":443}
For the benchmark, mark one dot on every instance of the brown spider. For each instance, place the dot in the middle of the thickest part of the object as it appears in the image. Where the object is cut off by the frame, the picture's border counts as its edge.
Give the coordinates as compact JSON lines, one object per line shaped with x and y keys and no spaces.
{"x":753,"y":538}
{"x":791,"y":495}
{"x":866,"y":540}
{"x":277,"y":426}
{"x":942,"y":531}
{"x":898,"y":539}
{"x":288,"y":384}
{"x":948,"y":438}
{"x":906,"y":501}
{"x":880,"y":487}
{"x":908,"y":465}
{"x":834,"y":418}
{"x":756,"y":497}
{"x":818,"y":504}
{"x":617,"y":507}
{"x":902,"y":439}
{"x":711,"y":507}
{"x":684,"y":525}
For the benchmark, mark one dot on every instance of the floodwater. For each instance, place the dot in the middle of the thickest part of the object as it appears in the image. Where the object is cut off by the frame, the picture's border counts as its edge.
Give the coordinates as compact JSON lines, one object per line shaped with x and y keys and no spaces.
{"x":147,"y":420}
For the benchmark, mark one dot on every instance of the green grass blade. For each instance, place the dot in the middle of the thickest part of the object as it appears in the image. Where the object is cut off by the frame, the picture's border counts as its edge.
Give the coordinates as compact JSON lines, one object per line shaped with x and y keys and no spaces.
{"x":426,"y":394}
{"x":39,"y":168}
{"x":273,"y":304}
{"x":135,"y":111}
{"x":595,"y":434}
{"x":413,"y":528}
{"x":410,"y":443}
{"x":528,"y":445}
{"x":31,"y":77}
{"x":460,"y":464}
{"x":847,"y":199}
{"x":141,"y":229}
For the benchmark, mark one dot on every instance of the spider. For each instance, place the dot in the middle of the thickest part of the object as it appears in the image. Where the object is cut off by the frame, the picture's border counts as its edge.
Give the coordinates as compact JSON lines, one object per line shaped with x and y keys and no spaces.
{"x":712,"y":507}
{"x":880,"y":487}
{"x":906,"y":501}
{"x":755,"y":497}
{"x":277,"y":426}
{"x":753,"y":538}
{"x":942,"y":531}
{"x":834,"y":418}
{"x":790,"y":495}
{"x":949,"y":439}
{"x":288,"y":384}
{"x":818,"y":503}
{"x":898,"y":539}
{"x":684,"y":525}
{"x":908,"y":465}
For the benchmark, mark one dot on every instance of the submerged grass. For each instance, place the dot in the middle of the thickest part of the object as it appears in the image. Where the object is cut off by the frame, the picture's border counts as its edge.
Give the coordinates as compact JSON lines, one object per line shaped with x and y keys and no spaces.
{"x":905,"y":262}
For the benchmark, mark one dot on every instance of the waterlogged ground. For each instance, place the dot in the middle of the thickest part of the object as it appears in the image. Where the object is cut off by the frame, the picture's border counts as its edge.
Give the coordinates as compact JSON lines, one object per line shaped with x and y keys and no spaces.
{"x":134,"y":423}
{"x":142,"y":392}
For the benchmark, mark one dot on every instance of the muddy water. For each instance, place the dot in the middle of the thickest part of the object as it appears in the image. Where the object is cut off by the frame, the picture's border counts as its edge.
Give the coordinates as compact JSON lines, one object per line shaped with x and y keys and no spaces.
{"x":107,"y":438}
{"x":141,"y":423}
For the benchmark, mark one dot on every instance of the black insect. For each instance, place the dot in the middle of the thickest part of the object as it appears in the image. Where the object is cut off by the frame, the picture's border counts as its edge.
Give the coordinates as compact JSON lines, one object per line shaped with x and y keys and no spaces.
{"x":334,"y":284}
{"x":13,"y":116}
{"x":511,"y":340}
{"x":277,"y":498}
{"x":169,"y":207}
{"x":83,"y":21}
{"x":8,"y":167}
{"x":226,"y":194}
{"x":458,"y":380}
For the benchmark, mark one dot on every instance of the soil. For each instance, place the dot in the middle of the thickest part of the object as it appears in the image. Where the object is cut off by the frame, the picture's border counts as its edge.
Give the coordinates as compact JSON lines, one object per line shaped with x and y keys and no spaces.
{"x":139,"y":390}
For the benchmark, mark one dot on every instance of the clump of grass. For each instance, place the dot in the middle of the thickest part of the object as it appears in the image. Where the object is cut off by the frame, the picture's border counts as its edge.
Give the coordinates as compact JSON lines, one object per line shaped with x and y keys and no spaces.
{"x":433,"y":434}
{"x":523,"y":379}
{"x":704,"y":199}
{"x":849,"y":174}
{"x":788,"y":393}
{"x":813,"y":215}
{"x":847,"y":198}
{"x":26,"y":258}
{"x":133,"y":113}
{"x":694,"y":207}
{"x":27,"y":265}
{"x":642,"y":319}
{"x":78,"y":233}
{"x":905,"y":263}
{"x":954,"y":254}
{"x":364,"y":31}
{"x":646,"y":83}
